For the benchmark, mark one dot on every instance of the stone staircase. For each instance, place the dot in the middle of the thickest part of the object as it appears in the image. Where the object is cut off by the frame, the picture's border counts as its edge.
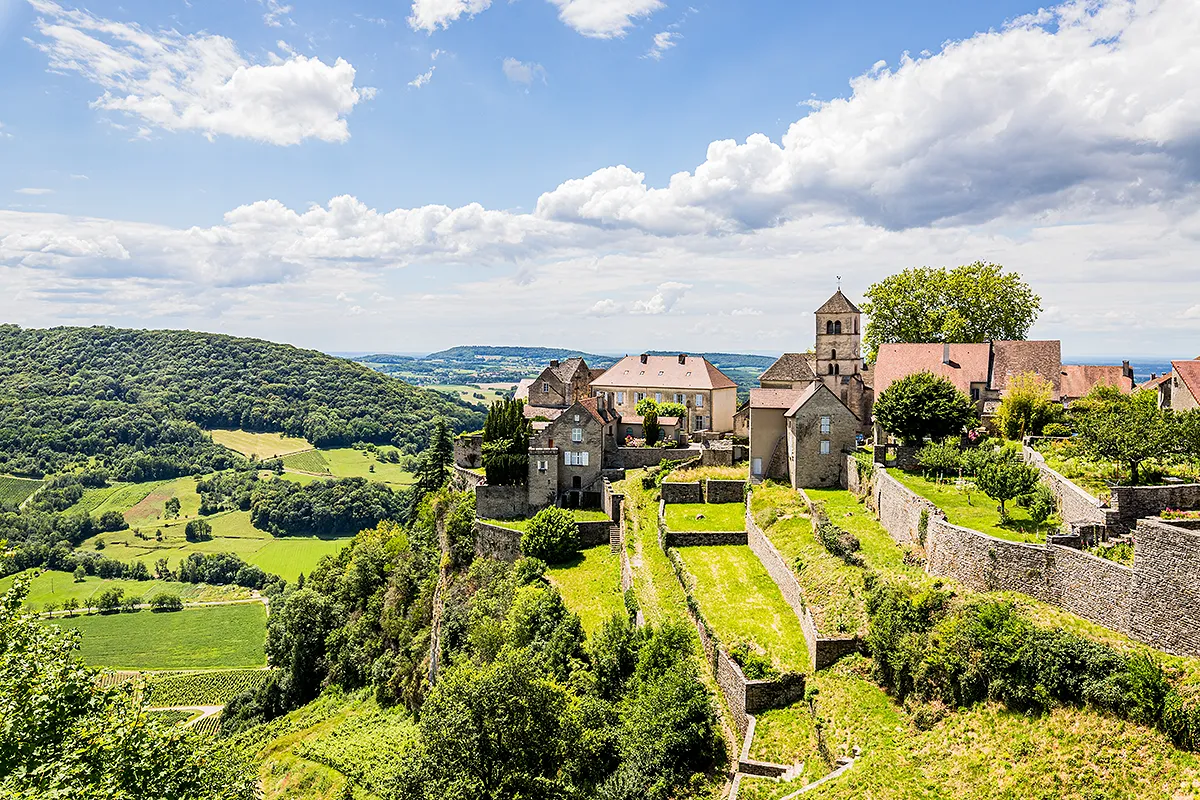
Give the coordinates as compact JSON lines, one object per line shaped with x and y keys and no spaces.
{"x":614,"y":537}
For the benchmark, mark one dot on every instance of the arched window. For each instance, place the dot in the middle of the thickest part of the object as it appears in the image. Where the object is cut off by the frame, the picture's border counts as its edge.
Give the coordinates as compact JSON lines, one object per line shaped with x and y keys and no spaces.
{"x":831,"y":369}
{"x":833,"y":355}
{"x":837,"y":327}
{"x":837,"y":369}
{"x":829,"y":328}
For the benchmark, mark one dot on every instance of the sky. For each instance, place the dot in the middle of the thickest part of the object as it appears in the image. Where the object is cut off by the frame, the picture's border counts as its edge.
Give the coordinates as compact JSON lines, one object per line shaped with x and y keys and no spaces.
{"x":607,"y":175}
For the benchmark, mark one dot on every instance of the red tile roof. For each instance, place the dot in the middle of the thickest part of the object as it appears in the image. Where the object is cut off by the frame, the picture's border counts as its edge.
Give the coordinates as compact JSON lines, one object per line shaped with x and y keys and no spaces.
{"x":1012,"y":358}
{"x":1079,"y":379}
{"x":968,"y":364}
{"x":1189,"y":373}
{"x":774,"y":398}
{"x":694,"y":373}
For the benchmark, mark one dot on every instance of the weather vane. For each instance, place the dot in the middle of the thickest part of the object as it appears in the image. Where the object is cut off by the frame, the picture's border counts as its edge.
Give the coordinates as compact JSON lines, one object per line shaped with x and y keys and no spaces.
{"x":839,"y":279}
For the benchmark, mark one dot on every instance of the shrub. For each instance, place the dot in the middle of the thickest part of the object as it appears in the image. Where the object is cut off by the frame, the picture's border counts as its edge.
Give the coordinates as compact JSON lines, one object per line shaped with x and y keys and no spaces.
{"x":111,"y":521}
{"x":1041,"y":503}
{"x":198,"y":530}
{"x":166,"y":602}
{"x":840,"y":543}
{"x":941,"y":457}
{"x":551,"y":536}
{"x":1057,"y":429}
{"x":755,"y":664}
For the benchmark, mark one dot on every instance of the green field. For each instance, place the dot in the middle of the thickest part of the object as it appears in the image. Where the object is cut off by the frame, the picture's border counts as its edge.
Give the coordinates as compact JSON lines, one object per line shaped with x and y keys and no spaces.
{"x":14,"y":491}
{"x":151,"y":507}
{"x":471,"y":394}
{"x":347,"y":462}
{"x":55,"y":587}
{"x":307,"y":461}
{"x":213,"y":688}
{"x":115,"y":497}
{"x":591,"y":586}
{"x":232,"y":532}
{"x":968,"y":507}
{"x":741,"y":602}
{"x":263,"y":445}
{"x":195,"y":638}
{"x":716,"y":516}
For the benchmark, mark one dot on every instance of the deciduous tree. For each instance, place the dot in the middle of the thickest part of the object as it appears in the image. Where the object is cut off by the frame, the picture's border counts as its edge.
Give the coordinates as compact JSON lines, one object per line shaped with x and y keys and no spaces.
{"x":1027,"y":407}
{"x":1006,"y":480}
{"x":921,"y":406}
{"x":1128,"y":429}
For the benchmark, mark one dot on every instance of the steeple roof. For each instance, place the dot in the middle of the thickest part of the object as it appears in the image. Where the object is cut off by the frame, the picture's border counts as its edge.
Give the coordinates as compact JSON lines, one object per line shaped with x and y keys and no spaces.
{"x":838,"y":304}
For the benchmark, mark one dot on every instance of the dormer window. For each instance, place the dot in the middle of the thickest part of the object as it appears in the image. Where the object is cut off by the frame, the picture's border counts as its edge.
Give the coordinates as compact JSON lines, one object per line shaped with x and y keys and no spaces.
{"x":660,"y":373}
{"x":689,"y":375}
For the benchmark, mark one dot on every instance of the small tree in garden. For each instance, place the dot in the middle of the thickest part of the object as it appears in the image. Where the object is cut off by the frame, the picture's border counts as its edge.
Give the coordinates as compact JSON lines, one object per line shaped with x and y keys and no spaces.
{"x":677,"y":410}
{"x":1128,"y":429}
{"x":944,"y":458}
{"x":1006,"y":480}
{"x":551,"y":536}
{"x":645,"y":406}
{"x":650,"y":428}
{"x":923,"y":406}
{"x":1027,"y":407}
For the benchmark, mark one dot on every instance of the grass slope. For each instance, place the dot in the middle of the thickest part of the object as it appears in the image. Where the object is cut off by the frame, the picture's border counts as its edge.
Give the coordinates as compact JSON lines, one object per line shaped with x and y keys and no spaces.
{"x":659,"y":594}
{"x":52,"y":586}
{"x":591,"y":586}
{"x":740,"y":601}
{"x":262,"y":445}
{"x":195,"y":638}
{"x":14,"y":491}
{"x":971,"y":508}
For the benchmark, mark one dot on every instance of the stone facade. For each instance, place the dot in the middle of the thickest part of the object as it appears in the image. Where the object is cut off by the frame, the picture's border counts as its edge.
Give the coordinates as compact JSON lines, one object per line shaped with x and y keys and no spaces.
{"x":468,"y":450}
{"x":675,"y":492}
{"x":725,"y":491}
{"x":1135,"y":502}
{"x":819,"y":428}
{"x":610,"y":501}
{"x":578,"y":437}
{"x":501,"y":502}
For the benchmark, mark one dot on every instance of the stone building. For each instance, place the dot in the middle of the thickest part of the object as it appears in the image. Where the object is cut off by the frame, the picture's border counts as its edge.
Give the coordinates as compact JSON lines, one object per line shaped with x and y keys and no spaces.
{"x":556,"y":388}
{"x":709,"y":395}
{"x":820,"y":428}
{"x":566,"y":457}
{"x":1184,"y":393}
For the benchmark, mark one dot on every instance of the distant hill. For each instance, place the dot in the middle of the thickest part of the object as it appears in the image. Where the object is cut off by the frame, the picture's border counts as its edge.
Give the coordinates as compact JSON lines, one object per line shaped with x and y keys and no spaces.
{"x":135,"y":400}
{"x":537,"y":354}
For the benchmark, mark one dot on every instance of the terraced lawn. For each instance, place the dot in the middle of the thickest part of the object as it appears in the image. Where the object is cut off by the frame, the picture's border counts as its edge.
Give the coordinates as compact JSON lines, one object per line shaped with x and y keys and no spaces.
{"x":705,"y":517}
{"x":659,"y":594}
{"x":580,"y":515}
{"x":195,"y":638}
{"x":970,"y":508}
{"x":741,"y":602}
{"x":591,"y":586}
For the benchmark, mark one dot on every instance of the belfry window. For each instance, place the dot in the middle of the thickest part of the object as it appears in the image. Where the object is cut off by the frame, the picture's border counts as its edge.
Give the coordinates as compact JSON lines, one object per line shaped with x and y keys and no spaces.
{"x":837,"y":327}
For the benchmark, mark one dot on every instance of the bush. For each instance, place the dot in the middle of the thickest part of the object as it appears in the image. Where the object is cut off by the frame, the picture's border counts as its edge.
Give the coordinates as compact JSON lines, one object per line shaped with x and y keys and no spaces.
{"x":198,"y":530}
{"x":841,"y":543}
{"x":1005,"y":480}
{"x":551,"y":536}
{"x":166,"y":602}
{"x":755,"y":664}
{"x":109,"y":600}
{"x":1057,"y":429}
{"x":1041,"y":503}
{"x":941,"y":457}
{"x":111,"y":521}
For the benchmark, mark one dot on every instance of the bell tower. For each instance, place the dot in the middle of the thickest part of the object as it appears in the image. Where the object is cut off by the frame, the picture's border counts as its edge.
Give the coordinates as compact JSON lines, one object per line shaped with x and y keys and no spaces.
{"x":839,"y":340}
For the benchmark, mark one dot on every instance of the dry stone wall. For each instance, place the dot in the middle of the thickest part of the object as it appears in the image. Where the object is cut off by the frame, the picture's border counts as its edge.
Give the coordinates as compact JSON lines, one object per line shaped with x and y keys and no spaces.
{"x":495,"y":542}
{"x":725,"y":491}
{"x":464,"y":480}
{"x":1077,"y":506}
{"x":1137,"y":502}
{"x":610,"y":501}
{"x":641,"y":457}
{"x":674,"y":492}
{"x":899,"y":509}
{"x":592,"y":534}
{"x":501,"y":502}
{"x":1166,"y":587}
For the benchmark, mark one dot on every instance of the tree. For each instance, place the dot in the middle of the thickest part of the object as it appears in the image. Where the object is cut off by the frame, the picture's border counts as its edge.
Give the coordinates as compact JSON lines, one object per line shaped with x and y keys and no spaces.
{"x":111,"y":521}
{"x":164,"y":601}
{"x":130,"y":602}
{"x":162,"y":570}
{"x":433,"y":468}
{"x":80,"y":574}
{"x":172,"y":506}
{"x":1128,"y":429}
{"x":972,"y":303}
{"x":108,"y":600}
{"x":297,"y":629}
{"x":67,"y":736}
{"x":1005,"y":480}
{"x":70,"y":605}
{"x":650,"y":428}
{"x":1027,"y":406}
{"x":198,"y":530}
{"x":645,"y":406}
{"x":506,"y":435}
{"x":921,"y":406}
{"x":551,"y":535}
{"x":943,"y":457}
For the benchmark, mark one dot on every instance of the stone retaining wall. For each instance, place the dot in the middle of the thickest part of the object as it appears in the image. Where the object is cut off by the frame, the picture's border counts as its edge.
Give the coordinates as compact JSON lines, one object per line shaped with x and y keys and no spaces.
{"x":822,"y":651}
{"x":703,"y":538}
{"x":610,"y":501}
{"x":640,"y":457}
{"x":1137,"y":502}
{"x":674,"y":493}
{"x":856,"y":484}
{"x":464,"y":480}
{"x":592,"y":534}
{"x":1166,"y":587}
{"x":725,"y":491}
{"x":1076,"y":505}
{"x":502,"y":502}
{"x":899,"y":509}
{"x":495,"y":542}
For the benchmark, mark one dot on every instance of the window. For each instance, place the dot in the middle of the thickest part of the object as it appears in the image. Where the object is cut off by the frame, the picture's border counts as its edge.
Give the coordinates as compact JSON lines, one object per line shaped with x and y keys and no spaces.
{"x":620,"y":398}
{"x":545,"y":387}
{"x":629,"y":431}
{"x":543,"y":465}
{"x":660,"y":373}
{"x":577,"y":418}
{"x":829,"y":328}
{"x":824,"y":447}
{"x":833,"y":354}
{"x":837,"y":369}
{"x":577,"y":435}
{"x":837,"y":327}
{"x":572,"y":459}
{"x":699,"y":423}
{"x":639,"y":397}
{"x":699,"y":401}
{"x":975,"y":394}
{"x":831,"y":369}
{"x":825,"y":424}
{"x":658,"y":397}
{"x":680,"y":398}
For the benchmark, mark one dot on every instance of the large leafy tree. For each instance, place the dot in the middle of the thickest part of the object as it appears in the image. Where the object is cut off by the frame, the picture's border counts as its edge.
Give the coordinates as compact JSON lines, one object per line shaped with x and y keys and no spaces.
{"x":65,"y":736}
{"x":972,"y":303}
{"x":923,"y":406}
{"x":1127,"y":429}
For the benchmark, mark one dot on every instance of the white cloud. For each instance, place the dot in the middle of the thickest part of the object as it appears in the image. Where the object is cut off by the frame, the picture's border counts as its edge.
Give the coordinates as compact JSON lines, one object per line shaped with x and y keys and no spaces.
{"x":199,"y":82}
{"x":664,"y":299}
{"x":604,"y":19}
{"x":3,"y":133}
{"x":1192,"y":313}
{"x":277,"y":13}
{"x":663,"y":41}
{"x":604,"y":308}
{"x":422,"y":79}
{"x":34,"y":191}
{"x":75,"y":176}
{"x":523,"y":72}
{"x":428,"y":15}
{"x":745,"y":312}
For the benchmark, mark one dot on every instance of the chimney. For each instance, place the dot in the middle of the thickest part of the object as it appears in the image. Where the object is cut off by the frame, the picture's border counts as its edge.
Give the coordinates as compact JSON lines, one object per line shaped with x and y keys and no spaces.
{"x":554,"y":363}
{"x":683,"y":358}
{"x":1126,"y":370}
{"x":644,"y":358}
{"x":946,"y":353}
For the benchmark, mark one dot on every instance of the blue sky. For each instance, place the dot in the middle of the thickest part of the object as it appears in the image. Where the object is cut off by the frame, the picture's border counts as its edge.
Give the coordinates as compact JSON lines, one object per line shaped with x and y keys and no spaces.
{"x":501,"y":172}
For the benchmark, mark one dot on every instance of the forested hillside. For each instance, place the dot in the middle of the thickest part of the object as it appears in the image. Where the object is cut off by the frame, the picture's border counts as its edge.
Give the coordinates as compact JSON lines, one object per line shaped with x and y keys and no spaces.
{"x":138,"y":400}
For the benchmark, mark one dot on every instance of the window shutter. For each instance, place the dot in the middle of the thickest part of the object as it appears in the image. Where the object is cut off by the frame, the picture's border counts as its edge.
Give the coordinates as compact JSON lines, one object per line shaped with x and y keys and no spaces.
{"x":584,"y":458}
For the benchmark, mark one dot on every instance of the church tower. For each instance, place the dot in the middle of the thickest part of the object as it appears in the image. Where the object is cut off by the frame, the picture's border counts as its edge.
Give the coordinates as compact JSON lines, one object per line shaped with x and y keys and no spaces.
{"x":839,"y":342}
